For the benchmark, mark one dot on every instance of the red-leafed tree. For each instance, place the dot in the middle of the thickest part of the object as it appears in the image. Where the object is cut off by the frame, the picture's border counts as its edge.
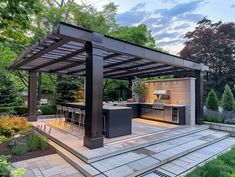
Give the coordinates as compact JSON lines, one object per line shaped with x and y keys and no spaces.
{"x":214,"y":45}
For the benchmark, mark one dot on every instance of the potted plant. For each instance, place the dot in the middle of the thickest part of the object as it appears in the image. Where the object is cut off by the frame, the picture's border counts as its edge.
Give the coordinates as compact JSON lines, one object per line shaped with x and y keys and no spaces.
{"x":139,"y":88}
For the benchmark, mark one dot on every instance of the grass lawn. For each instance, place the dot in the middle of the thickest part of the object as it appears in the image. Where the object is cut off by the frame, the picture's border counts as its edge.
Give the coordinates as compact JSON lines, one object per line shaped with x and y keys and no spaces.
{"x":223,"y":166}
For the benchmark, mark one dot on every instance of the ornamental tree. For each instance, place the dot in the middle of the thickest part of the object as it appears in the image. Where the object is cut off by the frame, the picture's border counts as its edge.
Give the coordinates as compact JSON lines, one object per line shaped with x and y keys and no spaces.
{"x":213,"y":44}
{"x":228,"y":99}
{"x":212,"y":101}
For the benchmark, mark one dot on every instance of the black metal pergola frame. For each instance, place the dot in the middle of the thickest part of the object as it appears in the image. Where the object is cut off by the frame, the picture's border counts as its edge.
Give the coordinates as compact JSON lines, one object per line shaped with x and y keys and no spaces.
{"x":71,"y":50}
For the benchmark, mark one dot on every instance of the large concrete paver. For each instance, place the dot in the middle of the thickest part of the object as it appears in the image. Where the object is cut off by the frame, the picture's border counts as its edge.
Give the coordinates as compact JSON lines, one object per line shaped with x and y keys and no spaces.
{"x":114,"y":148}
{"x":48,"y":166}
{"x":181,"y":166}
{"x":139,"y":161}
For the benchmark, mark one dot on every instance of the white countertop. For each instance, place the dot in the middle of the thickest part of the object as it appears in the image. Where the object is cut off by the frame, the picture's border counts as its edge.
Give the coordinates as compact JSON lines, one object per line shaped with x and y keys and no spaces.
{"x":107,"y":106}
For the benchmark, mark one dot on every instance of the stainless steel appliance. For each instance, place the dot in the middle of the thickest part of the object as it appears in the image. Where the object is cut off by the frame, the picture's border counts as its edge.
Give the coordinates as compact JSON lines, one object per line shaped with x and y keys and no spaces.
{"x":162,"y":97}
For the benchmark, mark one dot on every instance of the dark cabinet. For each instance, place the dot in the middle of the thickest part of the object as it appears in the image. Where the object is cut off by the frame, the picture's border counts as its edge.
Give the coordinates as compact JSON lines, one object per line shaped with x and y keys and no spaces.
{"x":169,"y":114}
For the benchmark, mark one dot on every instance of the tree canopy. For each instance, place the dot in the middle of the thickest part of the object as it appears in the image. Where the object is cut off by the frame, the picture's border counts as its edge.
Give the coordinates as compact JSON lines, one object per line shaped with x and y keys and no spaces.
{"x":214,"y":45}
{"x":23,"y":23}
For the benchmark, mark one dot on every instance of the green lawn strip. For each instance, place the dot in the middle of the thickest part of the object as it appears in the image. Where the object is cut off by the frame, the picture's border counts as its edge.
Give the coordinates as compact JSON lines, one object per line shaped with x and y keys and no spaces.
{"x":222,"y":166}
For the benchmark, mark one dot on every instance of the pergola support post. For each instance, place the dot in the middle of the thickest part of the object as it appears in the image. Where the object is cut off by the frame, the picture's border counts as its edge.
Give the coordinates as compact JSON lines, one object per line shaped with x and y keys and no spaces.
{"x":94,"y":97}
{"x":32,"y":96}
{"x":199,"y":87}
{"x":129,"y":87}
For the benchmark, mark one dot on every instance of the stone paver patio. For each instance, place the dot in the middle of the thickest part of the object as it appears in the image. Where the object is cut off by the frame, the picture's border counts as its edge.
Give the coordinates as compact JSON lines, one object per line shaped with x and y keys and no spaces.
{"x":48,"y":166}
{"x":145,"y":135}
{"x":152,"y":146}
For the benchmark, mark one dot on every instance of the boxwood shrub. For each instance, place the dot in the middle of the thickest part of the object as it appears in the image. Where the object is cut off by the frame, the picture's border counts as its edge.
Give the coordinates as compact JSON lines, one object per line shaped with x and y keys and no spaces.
{"x":22,"y":110}
{"x":16,"y":110}
{"x":48,"y":109}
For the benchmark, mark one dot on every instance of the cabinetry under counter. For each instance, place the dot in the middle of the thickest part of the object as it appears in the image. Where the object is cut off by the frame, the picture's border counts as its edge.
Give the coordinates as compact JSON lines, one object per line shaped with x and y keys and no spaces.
{"x":171,"y":113}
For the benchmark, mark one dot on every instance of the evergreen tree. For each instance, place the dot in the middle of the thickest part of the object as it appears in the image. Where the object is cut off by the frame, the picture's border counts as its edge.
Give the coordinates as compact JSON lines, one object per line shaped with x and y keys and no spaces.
{"x":228,"y":99}
{"x":66,"y":89}
{"x":212,"y":101}
{"x":8,"y":93}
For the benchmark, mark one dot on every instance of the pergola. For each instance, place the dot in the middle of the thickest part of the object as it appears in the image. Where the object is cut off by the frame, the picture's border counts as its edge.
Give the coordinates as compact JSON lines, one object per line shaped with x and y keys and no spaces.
{"x":71,"y":50}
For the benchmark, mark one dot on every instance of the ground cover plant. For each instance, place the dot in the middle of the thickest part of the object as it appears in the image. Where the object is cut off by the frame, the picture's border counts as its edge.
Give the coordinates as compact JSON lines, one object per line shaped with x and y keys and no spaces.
{"x":19,"y":140}
{"x":223,"y":166}
{"x":6,"y":170}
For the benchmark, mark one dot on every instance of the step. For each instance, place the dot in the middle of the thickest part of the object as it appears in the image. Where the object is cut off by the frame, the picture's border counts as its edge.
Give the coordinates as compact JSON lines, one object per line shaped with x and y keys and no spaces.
{"x":139,"y":161}
{"x":113,"y":149}
{"x":185,"y":164}
{"x":77,"y":163}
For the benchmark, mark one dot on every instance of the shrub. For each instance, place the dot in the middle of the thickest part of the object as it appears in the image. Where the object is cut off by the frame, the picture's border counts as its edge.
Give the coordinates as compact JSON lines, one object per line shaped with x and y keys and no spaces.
{"x":37,"y":141}
{"x":10,"y":125}
{"x":139,"y":88}
{"x":5,"y":168}
{"x":13,"y":110}
{"x":18,"y":172}
{"x":48,"y":109}
{"x":212,"y":101}
{"x":228,"y":99}
{"x":20,"y":149}
{"x":214,"y":118}
{"x":2,"y":139}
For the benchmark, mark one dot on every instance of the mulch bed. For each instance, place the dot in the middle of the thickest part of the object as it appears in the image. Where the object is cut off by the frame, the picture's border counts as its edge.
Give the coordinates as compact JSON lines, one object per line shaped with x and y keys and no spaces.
{"x":5,"y":150}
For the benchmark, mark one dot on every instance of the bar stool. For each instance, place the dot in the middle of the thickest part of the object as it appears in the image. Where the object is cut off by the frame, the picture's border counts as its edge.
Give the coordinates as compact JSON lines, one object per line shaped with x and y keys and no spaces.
{"x":65,"y":112}
{"x":70,"y":114}
{"x":83,"y":118}
{"x":59,"y":113}
{"x":77,"y":115}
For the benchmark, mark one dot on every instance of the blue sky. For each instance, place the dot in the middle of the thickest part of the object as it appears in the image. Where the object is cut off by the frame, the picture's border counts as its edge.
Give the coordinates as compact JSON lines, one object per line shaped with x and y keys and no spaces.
{"x":169,"y":20}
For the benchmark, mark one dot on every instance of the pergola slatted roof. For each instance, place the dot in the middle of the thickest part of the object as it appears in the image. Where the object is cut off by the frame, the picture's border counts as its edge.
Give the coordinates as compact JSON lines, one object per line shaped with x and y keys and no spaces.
{"x":63,"y":52}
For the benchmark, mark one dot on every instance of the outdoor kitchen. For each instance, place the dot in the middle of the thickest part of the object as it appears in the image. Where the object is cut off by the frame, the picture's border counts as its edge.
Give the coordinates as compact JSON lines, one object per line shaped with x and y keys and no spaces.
{"x":166,"y":100}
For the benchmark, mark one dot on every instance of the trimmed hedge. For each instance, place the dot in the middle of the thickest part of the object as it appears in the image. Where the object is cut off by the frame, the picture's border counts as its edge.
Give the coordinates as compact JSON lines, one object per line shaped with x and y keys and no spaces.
{"x":48,"y":109}
{"x":17,"y":110}
{"x":22,"y":110}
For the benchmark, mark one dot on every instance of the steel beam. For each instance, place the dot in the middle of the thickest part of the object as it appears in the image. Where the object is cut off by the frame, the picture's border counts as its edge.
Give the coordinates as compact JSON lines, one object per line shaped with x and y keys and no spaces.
{"x":63,"y":58}
{"x":105,"y":58}
{"x":130,"y":67}
{"x":138,"y":71}
{"x":126,"y":48}
{"x":73,"y":64}
{"x":40,"y":53}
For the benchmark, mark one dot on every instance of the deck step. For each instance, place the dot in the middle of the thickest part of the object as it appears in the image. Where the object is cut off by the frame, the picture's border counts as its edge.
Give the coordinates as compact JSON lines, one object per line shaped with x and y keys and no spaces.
{"x":183,"y":165}
{"x":145,"y":159}
{"x":113,"y":149}
{"x":142,"y":160}
{"x":77,"y":163}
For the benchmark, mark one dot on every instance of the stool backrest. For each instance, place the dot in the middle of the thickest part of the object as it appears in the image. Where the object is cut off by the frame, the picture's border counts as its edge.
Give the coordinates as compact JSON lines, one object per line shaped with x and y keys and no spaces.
{"x":70,"y":109}
{"x":77,"y":110}
{"x":64,"y":108}
{"x":59,"y":107}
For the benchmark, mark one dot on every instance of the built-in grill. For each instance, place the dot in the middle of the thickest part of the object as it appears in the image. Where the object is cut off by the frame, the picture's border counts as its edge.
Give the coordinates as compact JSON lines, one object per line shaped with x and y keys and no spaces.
{"x":162,"y":97}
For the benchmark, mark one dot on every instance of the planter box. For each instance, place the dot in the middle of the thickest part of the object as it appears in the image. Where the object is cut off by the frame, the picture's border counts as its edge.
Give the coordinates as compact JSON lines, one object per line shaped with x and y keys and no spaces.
{"x":221,"y":127}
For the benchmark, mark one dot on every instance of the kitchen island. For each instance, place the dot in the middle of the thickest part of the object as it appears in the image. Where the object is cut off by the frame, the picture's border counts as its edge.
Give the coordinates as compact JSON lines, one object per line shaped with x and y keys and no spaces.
{"x":116,"y":119}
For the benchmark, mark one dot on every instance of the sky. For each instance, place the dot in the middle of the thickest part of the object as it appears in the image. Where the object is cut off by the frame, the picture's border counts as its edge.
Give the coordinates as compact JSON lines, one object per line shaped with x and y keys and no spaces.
{"x":170,"y":20}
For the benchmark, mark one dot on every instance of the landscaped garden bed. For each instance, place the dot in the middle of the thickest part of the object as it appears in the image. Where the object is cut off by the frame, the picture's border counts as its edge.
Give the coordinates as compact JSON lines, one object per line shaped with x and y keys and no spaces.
{"x":19,"y":141}
{"x":220,"y":111}
{"x":223,"y":166}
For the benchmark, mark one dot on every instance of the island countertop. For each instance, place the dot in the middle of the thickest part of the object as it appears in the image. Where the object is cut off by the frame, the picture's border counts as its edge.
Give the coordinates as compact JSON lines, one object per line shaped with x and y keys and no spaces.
{"x":105,"y":106}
